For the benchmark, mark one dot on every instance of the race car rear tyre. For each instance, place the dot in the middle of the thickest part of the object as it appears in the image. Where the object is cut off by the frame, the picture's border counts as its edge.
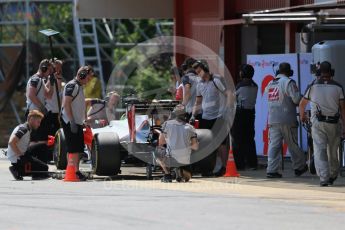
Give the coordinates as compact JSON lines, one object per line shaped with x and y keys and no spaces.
{"x":105,"y":154}
{"x":60,"y":151}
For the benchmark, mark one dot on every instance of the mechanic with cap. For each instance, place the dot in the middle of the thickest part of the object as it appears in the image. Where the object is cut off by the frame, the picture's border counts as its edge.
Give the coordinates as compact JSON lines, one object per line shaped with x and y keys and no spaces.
{"x":283,"y":97}
{"x":73,"y":115}
{"x":211,"y":99}
{"x":101,"y":112}
{"x":327,"y":107}
{"x":190,"y":80}
{"x":37,"y":91}
{"x":243,"y":129}
{"x":180,"y":139}
{"x":52,"y":104}
{"x":20,"y":154}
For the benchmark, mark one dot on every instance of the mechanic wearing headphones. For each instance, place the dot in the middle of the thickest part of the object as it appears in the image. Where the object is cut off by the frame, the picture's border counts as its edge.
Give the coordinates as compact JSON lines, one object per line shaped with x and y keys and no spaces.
{"x":211,"y":98}
{"x":180,"y":139}
{"x":243,"y":129}
{"x":283,"y":97}
{"x":101,"y":112}
{"x":327,"y":100}
{"x":19,"y":153}
{"x":73,"y":115}
{"x":37,"y":91}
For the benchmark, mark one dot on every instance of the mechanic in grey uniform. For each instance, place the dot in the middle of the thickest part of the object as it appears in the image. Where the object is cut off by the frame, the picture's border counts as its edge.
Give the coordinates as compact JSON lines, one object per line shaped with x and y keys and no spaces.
{"x":101,"y":112}
{"x":37,"y":91}
{"x":243,"y":129}
{"x":180,"y":139}
{"x":211,"y":96}
{"x":283,"y":97}
{"x":52,"y":104}
{"x":73,"y":115}
{"x":190,"y":80}
{"x":19,"y":153}
{"x":327,"y":106}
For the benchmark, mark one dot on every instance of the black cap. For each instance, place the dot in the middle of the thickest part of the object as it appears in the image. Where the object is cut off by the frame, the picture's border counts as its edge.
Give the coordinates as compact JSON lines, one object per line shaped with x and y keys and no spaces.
{"x":325,"y":67}
{"x":284,"y":68}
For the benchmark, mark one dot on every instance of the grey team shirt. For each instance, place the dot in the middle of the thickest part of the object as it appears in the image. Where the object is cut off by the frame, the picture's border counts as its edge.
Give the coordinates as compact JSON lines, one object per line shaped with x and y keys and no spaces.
{"x":246,"y":94}
{"x":324,"y":95}
{"x":212,"y":102}
{"x":178,"y":136}
{"x":22,"y":132}
{"x":75,"y":90}
{"x":283,"y":97}
{"x":36,"y":82}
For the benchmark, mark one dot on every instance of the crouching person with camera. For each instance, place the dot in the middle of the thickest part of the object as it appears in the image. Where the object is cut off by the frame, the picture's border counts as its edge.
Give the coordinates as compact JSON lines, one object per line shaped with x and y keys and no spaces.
{"x":176,"y":142}
{"x":327,"y":100}
{"x":20,"y":154}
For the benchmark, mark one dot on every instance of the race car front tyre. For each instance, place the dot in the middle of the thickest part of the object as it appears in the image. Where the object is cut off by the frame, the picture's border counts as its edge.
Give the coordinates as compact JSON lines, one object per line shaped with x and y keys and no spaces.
{"x":60,"y":151}
{"x":105,"y":154}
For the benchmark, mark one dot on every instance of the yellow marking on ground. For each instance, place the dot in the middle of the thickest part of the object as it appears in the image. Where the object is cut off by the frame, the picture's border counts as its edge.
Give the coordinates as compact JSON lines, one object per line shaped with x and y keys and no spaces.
{"x":322,"y":198}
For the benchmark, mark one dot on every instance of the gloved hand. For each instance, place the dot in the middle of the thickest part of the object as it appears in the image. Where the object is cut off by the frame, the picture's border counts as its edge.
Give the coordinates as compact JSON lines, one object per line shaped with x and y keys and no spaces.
{"x":52,"y":79}
{"x":192,"y":120}
{"x":74,"y":127}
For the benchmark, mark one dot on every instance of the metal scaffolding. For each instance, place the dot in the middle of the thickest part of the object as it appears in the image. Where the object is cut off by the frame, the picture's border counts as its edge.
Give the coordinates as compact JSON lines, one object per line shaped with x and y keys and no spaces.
{"x":20,"y":21}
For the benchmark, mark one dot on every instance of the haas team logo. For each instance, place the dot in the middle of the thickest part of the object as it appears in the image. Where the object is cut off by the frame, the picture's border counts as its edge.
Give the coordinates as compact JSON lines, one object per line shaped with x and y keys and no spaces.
{"x":273,"y":94}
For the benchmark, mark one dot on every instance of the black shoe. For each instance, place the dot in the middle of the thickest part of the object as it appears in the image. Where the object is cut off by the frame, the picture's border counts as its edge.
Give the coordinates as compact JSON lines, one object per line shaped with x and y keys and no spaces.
{"x":324,"y":183}
{"x":167,"y":178}
{"x":220,"y":172}
{"x":331,"y":180}
{"x":274,"y":175}
{"x":81,"y":176}
{"x":299,"y":172}
{"x":15,"y":173}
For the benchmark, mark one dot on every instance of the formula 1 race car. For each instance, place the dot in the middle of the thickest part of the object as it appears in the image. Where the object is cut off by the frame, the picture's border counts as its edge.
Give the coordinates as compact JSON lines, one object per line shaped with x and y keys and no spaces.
{"x":135,"y":136}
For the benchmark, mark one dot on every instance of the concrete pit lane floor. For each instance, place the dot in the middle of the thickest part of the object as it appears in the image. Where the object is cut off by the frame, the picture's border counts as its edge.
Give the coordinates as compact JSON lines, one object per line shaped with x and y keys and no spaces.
{"x":129,"y":201}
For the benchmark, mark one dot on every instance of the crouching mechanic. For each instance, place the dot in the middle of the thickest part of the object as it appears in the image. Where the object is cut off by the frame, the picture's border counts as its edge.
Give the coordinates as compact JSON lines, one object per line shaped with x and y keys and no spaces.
{"x":180,"y":139}
{"x":73,"y":115}
{"x":19,"y":152}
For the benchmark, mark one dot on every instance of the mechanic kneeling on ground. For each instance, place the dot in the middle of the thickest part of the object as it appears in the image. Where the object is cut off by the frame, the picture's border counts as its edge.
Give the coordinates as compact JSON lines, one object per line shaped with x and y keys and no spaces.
{"x":19,"y":152}
{"x":180,"y":139}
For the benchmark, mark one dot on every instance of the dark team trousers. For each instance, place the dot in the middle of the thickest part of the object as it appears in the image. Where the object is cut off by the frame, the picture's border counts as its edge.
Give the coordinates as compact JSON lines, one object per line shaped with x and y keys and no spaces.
{"x":28,"y":165}
{"x":243,"y":143}
{"x":40,"y":151}
{"x":54,"y":123}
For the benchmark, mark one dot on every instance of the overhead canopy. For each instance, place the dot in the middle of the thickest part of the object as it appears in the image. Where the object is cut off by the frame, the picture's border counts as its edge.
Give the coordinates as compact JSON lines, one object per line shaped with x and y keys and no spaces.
{"x":318,"y":13}
{"x":125,"y":9}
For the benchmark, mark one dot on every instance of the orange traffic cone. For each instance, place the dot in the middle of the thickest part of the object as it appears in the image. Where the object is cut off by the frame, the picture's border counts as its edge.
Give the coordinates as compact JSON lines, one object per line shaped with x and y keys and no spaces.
{"x":70,"y":175}
{"x":231,"y":170}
